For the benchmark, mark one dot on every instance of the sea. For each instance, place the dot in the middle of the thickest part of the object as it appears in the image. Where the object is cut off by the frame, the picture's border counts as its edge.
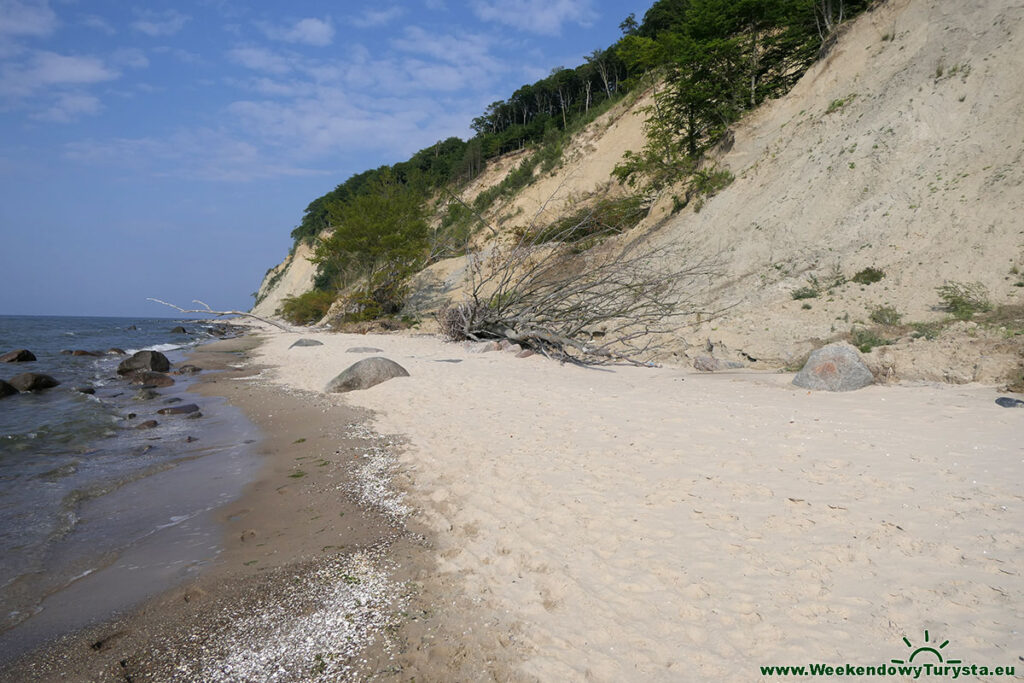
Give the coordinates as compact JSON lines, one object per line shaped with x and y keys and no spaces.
{"x":95,"y":515}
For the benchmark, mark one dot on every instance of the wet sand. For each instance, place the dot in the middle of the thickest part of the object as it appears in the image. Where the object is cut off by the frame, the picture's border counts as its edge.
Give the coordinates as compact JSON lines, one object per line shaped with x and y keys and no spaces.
{"x":323,"y":573}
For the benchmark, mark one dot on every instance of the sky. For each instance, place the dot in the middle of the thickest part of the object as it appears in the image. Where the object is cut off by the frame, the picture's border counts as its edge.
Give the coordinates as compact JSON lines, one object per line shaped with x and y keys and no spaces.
{"x":167,"y":150}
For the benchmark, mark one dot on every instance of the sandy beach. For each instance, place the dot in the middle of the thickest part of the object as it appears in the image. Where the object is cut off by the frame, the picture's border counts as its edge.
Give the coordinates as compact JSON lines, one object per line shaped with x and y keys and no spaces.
{"x":631,"y":523}
{"x":526,"y":520}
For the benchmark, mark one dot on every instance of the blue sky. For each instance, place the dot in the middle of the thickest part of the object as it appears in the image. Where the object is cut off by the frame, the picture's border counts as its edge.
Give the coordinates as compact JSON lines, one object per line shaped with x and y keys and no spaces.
{"x":168,"y":149}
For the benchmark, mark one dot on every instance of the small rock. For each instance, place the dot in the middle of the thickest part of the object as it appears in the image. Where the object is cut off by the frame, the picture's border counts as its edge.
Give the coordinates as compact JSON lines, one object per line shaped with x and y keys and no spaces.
{"x":130,"y":416}
{"x":148,"y":424}
{"x":1007,"y":402}
{"x":448,"y":360}
{"x":85,"y":390}
{"x":365,"y":374}
{"x":706,"y":364}
{"x":145,"y":395}
{"x":191,"y":439}
{"x":18,"y":356}
{"x":66,"y":352}
{"x":114,"y":351}
{"x":80,"y":352}
{"x":172,"y":399}
{"x":194,"y":416}
{"x":363,"y":349}
{"x":836,"y":367}
{"x":187,"y":370}
{"x":6,"y":389}
{"x":306,"y":342}
{"x":131,"y":327}
{"x":31,"y":381}
{"x":179,"y":330}
{"x":525,"y":353}
{"x":482,"y":347}
{"x":150,"y":380}
{"x":144,"y":360}
{"x":179,"y":410}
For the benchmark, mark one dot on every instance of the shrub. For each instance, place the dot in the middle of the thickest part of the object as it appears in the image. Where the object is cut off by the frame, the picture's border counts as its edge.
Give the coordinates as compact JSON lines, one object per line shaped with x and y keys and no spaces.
{"x":606,"y":217}
{"x":868,"y":276}
{"x":964,"y":299}
{"x":805,"y":293}
{"x":865,"y":339}
{"x":927,"y":330}
{"x":307,"y":308}
{"x":886,"y":315}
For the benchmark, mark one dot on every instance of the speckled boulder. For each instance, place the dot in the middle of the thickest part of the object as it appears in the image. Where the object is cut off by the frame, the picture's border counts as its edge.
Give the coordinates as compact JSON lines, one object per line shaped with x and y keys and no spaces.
{"x":836,"y":367}
{"x":365,"y":374}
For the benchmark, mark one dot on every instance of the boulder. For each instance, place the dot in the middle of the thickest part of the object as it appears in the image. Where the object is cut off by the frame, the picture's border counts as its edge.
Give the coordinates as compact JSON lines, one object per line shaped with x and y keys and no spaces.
{"x":144,"y":360}
{"x":149,"y":380}
{"x":32,"y":381}
{"x":80,"y":352}
{"x":365,"y":374}
{"x":362,"y":349}
{"x":836,"y":367}
{"x":1007,"y":402}
{"x":179,"y":330}
{"x":306,"y":342}
{"x":179,"y":409}
{"x":18,"y":356}
{"x":148,"y":424}
{"x":6,"y":389}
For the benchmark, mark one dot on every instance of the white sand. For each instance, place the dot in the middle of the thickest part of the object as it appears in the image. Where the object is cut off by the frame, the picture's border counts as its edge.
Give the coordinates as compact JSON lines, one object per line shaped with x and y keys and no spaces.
{"x":657,"y":524}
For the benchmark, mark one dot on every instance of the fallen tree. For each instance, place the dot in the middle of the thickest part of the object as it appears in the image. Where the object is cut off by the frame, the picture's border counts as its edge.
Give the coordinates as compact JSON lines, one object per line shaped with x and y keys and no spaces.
{"x":581,"y":290}
{"x":210,"y":311}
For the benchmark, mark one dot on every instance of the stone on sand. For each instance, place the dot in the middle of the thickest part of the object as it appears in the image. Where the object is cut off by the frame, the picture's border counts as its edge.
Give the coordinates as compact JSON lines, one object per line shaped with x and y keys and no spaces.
{"x":365,"y":374}
{"x":836,"y":367}
{"x":306,"y":342}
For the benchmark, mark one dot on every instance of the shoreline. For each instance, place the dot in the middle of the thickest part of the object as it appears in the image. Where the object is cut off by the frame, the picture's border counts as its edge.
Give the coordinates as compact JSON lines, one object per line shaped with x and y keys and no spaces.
{"x":299,"y":523}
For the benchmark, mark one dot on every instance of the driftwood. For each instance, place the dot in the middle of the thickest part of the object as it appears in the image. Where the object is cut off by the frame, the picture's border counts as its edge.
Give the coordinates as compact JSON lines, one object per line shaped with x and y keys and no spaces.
{"x":210,"y":311}
{"x":583,"y":293}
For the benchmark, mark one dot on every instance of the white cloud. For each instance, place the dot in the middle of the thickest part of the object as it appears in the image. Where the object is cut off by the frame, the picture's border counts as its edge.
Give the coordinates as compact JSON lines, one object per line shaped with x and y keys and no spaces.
{"x":261,"y":59}
{"x":536,"y":16}
{"x":30,"y":18}
{"x":165,"y":23}
{"x":69,"y":106}
{"x":98,"y":23}
{"x":377,"y":17}
{"x":130,"y":57}
{"x":309,"y":31}
{"x":45,"y":69}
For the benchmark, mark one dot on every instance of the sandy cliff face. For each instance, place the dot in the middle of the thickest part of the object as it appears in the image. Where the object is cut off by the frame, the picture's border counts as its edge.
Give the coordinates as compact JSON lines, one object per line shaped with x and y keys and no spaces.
{"x":291,"y":277}
{"x":902,"y":150}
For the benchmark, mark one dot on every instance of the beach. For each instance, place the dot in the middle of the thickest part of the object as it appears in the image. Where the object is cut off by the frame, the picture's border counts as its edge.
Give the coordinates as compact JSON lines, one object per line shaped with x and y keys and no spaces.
{"x":491,"y":517}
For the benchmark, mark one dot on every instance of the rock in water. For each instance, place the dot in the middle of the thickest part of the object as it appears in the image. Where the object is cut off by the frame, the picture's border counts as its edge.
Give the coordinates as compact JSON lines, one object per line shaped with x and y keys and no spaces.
{"x":1007,"y":402}
{"x":31,"y":381}
{"x":6,"y":389}
{"x":365,"y":374}
{"x":179,"y":330}
{"x":179,"y":410}
{"x":18,"y":356}
{"x":306,"y":342}
{"x":148,"y":424}
{"x":149,"y":380}
{"x":836,"y":367}
{"x":144,"y":360}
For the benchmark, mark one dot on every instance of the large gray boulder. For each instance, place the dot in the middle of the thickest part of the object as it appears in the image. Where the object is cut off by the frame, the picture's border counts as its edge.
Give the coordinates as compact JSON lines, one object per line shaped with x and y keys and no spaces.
{"x":18,"y":356}
{"x":836,"y":367}
{"x":144,"y":360}
{"x":365,"y":374}
{"x":32,"y":381}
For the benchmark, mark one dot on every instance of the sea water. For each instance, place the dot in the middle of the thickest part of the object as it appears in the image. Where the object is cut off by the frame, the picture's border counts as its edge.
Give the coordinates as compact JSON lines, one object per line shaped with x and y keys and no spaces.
{"x":96,"y":516}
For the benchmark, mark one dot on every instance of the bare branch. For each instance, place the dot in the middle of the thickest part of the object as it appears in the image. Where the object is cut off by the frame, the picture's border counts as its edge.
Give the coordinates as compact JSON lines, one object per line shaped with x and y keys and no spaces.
{"x":209,"y":310}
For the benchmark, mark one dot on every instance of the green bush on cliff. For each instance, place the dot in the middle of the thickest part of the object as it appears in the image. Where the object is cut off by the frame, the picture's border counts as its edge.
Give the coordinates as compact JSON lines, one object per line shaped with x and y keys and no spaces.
{"x":307,"y":308}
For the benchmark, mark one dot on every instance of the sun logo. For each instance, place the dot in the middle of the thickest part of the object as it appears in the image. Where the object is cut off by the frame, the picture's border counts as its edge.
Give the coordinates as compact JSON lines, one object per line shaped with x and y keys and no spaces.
{"x":926,"y":649}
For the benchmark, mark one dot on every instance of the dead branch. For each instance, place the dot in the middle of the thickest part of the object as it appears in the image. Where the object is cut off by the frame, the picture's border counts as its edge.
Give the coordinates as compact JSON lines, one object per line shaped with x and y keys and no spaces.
{"x":581,"y":292}
{"x":210,"y":311}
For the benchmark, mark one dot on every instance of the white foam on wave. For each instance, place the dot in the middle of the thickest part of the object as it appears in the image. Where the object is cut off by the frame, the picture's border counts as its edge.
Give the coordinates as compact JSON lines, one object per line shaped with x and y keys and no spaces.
{"x":155,"y":347}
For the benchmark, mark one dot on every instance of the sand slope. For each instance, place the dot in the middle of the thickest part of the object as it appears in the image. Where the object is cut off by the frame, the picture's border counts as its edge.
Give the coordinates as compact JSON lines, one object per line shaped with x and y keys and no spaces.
{"x":657,"y":524}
